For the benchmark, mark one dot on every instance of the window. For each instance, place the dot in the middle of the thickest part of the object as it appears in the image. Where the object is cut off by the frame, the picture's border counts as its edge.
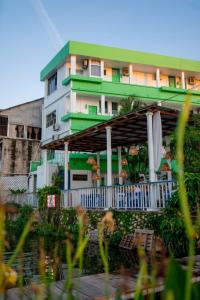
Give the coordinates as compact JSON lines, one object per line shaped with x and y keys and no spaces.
{"x":19,"y":131}
{"x":106,"y":107}
{"x":1,"y":150}
{"x":51,"y":119}
{"x":33,"y":133}
{"x":3,"y":125}
{"x":80,"y":177}
{"x":95,"y":68}
{"x":52,"y":83}
{"x":114,"y":108}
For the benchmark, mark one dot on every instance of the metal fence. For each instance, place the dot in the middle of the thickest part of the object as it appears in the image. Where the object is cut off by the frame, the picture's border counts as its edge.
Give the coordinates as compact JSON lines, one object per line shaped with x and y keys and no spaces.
{"x":14,"y":182}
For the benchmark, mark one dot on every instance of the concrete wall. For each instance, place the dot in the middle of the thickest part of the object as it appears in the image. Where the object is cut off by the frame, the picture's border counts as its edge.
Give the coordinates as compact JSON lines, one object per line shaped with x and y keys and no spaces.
{"x":28,"y":114}
{"x":17,"y":154}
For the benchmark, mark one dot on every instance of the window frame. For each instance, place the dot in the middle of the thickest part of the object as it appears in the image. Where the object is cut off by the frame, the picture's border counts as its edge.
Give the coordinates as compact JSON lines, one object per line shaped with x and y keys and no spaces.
{"x":52,"y":120}
{"x":95,"y":63}
{"x":50,"y":87}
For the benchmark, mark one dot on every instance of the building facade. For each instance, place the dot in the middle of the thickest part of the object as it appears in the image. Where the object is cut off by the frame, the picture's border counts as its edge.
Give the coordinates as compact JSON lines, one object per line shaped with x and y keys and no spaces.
{"x":20,"y":135}
{"x":84,"y":84}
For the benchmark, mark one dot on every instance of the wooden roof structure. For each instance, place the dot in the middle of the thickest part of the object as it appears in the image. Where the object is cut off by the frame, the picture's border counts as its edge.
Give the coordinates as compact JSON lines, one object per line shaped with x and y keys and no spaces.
{"x":127,"y":130}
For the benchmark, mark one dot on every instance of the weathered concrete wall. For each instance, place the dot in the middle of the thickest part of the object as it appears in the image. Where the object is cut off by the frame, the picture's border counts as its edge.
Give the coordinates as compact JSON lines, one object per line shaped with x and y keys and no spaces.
{"x":28,"y":114}
{"x":17,"y":154}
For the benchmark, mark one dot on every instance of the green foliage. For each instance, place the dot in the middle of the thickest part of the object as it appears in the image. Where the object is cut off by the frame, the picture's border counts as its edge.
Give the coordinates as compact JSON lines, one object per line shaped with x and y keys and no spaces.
{"x":191,"y":145}
{"x":57,"y":179}
{"x":130,"y":104}
{"x":137,"y":164}
{"x":15,"y":226}
{"x":17,"y":191}
{"x":115,"y":239}
{"x":44,"y":192}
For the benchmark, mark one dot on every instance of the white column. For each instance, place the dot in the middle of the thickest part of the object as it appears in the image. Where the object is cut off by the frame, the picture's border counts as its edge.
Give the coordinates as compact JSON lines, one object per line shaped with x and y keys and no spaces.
{"x":72,"y":101}
{"x":73,"y":65}
{"x":98,"y":171}
{"x":45,"y":162}
{"x":109,"y":156}
{"x":66,"y":166}
{"x":119,"y":151}
{"x":102,"y":69}
{"x":183,"y":80}
{"x":103,"y":105}
{"x":158,"y":77}
{"x":150,"y":146}
{"x":130,"y":74}
{"x":89,"y":67}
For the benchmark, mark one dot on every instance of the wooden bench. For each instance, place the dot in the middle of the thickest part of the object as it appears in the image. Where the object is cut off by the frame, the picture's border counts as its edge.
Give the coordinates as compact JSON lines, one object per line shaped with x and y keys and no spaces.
{"x":143,"y":238}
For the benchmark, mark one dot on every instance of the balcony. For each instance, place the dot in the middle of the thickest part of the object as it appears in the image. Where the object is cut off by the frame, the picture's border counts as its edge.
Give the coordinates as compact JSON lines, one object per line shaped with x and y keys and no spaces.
{"x":139,"y":196}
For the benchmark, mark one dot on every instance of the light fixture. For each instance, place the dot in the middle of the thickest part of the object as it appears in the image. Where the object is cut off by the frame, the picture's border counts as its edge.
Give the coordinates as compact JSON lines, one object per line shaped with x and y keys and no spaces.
{"x":95,"y":167}
{"x":165,"y":167}
{"x":134,"y":150}
{"x":91,"y":161}
{"x":124,"y":162}
{"x":95,"y":177}
{"x":123,"y":174}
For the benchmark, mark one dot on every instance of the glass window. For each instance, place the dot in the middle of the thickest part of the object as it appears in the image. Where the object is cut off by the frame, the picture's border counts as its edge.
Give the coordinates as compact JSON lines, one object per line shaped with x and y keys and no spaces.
{"x":51,"y":119}
{"x":114,"y":108}
{"x":3,"y":125}
{"x":95,"y":68}
{"x":52,"y":83}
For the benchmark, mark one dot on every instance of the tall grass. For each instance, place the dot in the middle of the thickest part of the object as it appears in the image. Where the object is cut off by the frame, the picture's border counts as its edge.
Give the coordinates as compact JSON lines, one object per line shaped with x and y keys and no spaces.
{"x":75,"y":257}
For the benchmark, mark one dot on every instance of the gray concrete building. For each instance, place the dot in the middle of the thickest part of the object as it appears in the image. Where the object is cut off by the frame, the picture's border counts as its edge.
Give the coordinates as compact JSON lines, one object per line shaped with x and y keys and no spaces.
{"x":20,"y":135}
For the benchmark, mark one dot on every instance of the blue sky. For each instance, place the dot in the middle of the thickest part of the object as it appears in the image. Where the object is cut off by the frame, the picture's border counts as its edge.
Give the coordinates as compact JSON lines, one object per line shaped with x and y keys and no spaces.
{"x":31,"y":31}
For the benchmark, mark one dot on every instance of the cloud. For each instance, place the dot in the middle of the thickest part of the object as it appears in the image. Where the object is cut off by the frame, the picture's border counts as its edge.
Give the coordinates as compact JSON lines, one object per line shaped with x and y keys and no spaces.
{"x":48,"y":24}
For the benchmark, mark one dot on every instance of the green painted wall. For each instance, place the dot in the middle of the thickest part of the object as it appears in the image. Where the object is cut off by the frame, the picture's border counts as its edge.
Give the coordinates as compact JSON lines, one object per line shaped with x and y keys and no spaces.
{"x":118,"y":54}
{"x":143,"y":92}
{"x":81,"y":121}
{"x":78,"y":162}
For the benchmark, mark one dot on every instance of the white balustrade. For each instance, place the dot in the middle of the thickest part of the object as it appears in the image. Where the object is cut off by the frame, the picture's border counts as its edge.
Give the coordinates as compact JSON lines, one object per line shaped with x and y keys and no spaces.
{"x":126,"y":197}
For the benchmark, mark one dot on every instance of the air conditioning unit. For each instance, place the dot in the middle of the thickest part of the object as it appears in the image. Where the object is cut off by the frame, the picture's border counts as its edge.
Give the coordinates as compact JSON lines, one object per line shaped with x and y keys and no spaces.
{"x":125,"y":72}
{"x":85,"y":63}
{"x":191,"y":80}
{"x":55,"y":137}
{"x":56,"y":127}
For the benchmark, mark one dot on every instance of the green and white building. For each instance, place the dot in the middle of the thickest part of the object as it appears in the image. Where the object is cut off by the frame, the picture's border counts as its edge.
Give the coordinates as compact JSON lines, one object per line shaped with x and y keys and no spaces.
{"x":83,"y":85}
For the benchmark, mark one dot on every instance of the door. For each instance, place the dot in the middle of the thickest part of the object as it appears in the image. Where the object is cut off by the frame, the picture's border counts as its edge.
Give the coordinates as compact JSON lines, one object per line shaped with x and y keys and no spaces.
{"x":115,"y":75}
{"x":92,"y":110}
{"x":172,"y":81}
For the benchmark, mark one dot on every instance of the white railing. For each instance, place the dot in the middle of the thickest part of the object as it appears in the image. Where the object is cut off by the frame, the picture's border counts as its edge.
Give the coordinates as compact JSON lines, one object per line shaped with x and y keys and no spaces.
{"x":140,"y":196}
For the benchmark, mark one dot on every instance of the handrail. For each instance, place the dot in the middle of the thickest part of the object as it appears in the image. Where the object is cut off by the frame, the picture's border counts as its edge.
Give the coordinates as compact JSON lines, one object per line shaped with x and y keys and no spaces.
{"x":123,"y":185}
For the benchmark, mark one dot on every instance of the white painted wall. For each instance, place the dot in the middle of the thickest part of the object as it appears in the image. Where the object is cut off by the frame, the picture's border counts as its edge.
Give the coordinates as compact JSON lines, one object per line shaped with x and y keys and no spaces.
{"x":81,"y":184}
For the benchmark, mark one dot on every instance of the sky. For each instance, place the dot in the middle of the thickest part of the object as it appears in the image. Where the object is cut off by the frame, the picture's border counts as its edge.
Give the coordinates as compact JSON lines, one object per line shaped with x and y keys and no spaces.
{"x":32,"y":32}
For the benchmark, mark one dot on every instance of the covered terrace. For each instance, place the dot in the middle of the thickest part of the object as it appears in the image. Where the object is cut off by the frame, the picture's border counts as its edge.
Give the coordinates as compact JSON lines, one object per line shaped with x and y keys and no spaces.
{"x":150,"y":125}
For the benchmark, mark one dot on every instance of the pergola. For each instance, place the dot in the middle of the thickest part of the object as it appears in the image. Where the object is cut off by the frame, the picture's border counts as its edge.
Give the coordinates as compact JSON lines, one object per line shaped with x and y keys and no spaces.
{"x":122,"y":131}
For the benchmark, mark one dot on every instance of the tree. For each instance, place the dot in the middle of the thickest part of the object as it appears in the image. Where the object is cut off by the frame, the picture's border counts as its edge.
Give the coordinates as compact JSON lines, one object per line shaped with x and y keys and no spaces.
{"x":130,"y":104}
{"x":136,"y":164}
{"x":191,"y":145}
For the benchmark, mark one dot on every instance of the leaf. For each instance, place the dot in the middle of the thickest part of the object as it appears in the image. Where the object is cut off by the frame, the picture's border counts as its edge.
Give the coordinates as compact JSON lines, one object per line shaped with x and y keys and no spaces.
{"x":175,"y":280}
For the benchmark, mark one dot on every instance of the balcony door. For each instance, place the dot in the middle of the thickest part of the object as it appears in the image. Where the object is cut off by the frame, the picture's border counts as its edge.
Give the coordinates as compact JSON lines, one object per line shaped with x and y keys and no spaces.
{"x":92,"y":110}
{"x":115,"y":75}
{"x":172,"y":81}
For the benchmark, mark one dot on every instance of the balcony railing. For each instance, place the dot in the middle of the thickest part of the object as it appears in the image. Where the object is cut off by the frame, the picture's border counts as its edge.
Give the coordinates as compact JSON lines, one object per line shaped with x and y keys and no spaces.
{"x":142,"y":196}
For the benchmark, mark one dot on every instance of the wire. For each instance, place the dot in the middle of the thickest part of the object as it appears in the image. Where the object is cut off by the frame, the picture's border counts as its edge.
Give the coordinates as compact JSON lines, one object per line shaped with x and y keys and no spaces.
{"x":175,"y":95}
